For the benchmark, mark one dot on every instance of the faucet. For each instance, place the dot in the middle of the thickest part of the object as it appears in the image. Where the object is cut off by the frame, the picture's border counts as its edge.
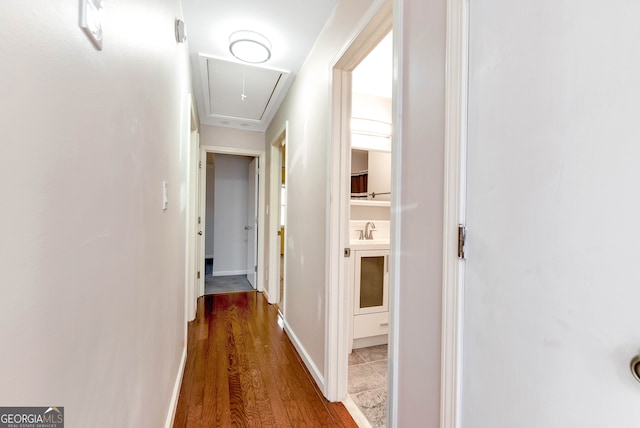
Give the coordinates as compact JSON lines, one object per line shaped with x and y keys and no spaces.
{"x":368,"y":233}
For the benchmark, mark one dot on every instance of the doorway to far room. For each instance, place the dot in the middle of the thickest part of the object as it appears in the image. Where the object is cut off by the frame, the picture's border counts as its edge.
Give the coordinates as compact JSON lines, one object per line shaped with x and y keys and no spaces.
{"x":231,"y":219}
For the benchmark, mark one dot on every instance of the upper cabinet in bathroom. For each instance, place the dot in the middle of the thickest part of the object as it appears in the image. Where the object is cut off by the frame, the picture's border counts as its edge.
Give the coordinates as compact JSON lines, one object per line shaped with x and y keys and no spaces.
{"x":370,"y":176}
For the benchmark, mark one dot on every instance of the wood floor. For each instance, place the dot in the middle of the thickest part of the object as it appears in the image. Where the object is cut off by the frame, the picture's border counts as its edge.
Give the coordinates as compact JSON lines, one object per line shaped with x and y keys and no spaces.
{"x":242,"y":370}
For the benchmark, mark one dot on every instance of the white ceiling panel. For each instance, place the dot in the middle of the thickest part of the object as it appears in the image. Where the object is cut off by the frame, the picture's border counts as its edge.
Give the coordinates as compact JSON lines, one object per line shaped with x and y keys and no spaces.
{"x":239,"y":90}
{"x":238,"y":93}
{"x":291,"y":26}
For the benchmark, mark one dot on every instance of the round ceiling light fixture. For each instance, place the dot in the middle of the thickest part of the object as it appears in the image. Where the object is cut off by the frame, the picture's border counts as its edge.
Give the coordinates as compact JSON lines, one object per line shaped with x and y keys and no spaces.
{"x":249,"y":46}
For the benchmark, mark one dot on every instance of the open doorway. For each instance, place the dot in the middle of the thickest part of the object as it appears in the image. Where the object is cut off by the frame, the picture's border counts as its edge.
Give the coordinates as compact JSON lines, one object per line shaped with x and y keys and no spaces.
{"x":231,"y":223}
{"x":369,"y":230}
{"x":277,"y":223}
{"x":359,"y":290}
{"x":283,"y":220}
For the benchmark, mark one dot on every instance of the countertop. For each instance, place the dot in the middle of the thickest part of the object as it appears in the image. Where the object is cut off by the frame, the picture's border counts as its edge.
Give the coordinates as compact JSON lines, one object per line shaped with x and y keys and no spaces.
{"x":369,"y":244}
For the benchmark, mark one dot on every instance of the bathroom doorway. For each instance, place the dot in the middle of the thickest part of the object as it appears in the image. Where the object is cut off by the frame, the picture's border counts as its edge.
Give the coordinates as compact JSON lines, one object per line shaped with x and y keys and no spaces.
{"x":369,"y":231}
{"x":360,"y":221}
{"x":232,"y":184}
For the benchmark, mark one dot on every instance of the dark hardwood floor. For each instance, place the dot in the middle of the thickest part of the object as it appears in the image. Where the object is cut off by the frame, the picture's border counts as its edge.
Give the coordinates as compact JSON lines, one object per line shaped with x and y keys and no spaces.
{"x":242,"y":370}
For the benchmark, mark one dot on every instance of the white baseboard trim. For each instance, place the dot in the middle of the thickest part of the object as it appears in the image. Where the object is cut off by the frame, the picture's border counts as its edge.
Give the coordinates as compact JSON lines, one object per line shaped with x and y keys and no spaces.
{"x":229,"y":272}
{"x":365,"y":342}
{"x":173,"y":406}
{"x":313,"y":369}
{"x":265,"y":294}
{"x":358,"y":417}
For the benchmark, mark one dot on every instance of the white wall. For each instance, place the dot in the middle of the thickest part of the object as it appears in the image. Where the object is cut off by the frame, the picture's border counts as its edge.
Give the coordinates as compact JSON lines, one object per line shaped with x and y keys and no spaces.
{"x":372,"y":107}
{"x":210,"y":210}
{"x":92,"y":309}
{"x":369,"y":213}
{"x":552,"y":270}
{"x":418,"y":153}
{"x":230,"y":214}
{"x":307,"y":109}
{"x":219,"y":136}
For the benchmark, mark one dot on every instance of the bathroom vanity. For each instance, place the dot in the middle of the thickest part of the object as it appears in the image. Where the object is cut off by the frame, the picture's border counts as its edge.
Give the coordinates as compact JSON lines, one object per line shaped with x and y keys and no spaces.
{"x":369,"y":287}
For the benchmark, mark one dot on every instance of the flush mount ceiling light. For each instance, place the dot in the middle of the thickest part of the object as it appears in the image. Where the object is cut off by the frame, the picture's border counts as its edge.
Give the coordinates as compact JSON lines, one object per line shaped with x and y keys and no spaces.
{"x":249,"y":46}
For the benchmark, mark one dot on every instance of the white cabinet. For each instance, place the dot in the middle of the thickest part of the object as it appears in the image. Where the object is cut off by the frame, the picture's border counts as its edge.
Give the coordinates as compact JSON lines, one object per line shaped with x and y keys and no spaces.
{"x":380,"y":175}
{"x":371,"y":292}
{"x":370,"y":175}
{"x":370,"y":281}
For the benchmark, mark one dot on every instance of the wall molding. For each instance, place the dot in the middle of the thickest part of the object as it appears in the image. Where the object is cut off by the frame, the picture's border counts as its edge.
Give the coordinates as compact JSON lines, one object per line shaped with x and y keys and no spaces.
{"x":173,"y":405}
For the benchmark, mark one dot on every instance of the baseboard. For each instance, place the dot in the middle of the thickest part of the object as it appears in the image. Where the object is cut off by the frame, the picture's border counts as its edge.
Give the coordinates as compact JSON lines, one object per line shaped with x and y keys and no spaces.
{"x":173,"y":406}
{"x":358,"y":417}
{"x":229,"y":272}
{"x":365,"y":342}
{"x":305,"y":356}
{"x":266,"y":295}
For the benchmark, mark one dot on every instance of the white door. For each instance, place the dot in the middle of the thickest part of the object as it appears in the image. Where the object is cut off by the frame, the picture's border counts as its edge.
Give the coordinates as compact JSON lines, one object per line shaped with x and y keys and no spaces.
{"x":252,"y":223}
{"x":552,"y":285}
{"x":202,"y":199}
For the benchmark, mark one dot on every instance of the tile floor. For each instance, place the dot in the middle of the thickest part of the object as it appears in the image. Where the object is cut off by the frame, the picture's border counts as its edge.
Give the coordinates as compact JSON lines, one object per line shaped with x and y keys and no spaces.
{"x":226,"y":284}
{"x":368,"y":382}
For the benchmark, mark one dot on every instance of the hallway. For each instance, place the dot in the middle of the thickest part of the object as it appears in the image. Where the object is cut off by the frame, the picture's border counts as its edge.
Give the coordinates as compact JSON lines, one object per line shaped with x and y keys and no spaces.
{"x":243,"y":370}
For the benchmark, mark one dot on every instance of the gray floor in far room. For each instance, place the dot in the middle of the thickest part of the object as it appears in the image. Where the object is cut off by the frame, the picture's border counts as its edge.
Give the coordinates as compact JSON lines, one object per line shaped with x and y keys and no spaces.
{"x":226,"y":284}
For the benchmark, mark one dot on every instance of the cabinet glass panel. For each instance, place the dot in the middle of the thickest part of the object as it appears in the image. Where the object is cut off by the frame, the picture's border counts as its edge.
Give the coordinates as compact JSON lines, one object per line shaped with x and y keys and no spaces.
{"x":371,"y":281}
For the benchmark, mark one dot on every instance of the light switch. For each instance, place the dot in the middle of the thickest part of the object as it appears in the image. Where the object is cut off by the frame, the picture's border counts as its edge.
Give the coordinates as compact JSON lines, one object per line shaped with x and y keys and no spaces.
{"x":165,"y":196}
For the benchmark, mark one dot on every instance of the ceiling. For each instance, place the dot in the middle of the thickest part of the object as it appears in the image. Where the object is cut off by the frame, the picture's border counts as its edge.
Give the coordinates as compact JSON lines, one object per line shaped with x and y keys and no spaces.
{"x":221,"y":80}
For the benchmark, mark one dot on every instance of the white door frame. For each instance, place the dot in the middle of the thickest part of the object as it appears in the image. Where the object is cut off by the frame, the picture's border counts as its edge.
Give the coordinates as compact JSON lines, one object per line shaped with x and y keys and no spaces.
{"x":190,"y":139}
{"x":457,"y":93}
{"x":454,"y":193}
{"x":252,"y":221}
{"x":374,"y":26}
{"x":202,"y":211}
{"x":204,"y":149}
{"x":273,"y":294}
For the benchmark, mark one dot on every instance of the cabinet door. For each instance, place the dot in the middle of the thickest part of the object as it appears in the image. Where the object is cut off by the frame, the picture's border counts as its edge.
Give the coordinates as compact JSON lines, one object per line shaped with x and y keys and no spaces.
{"x":379,"y":178}
{"x":371,"y":281}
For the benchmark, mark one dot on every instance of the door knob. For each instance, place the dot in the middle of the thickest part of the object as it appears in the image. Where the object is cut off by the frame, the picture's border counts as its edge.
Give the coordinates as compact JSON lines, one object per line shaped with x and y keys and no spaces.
{"x":248,"y":228}
{"x":200,"y":232}
{"x":635,"y":367}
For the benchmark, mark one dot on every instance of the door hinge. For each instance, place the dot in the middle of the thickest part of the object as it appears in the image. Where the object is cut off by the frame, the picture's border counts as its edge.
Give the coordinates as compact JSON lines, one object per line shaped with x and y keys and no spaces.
{"x":199,"y":220}
{"x":255,"y":269}
{"x":462,"y":234}
{"x":200,"y":165}
{"x":347,"y":252}
{"x":198,"y":274}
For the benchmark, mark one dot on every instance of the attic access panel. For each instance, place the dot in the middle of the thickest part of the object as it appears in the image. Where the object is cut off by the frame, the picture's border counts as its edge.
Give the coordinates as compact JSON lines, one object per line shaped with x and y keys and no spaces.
{"x":240,"y":90}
